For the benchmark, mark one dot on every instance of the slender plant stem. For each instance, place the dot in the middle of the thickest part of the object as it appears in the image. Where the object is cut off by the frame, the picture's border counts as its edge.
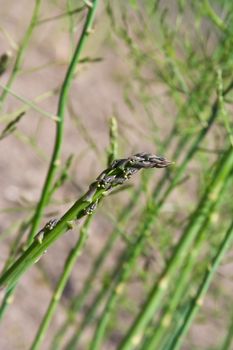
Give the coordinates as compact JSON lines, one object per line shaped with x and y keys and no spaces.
{"x":68,"y":13}
{"x":105,"y":182}
{"x":21,"y":51}
{"x":161,"y":331}
{"x":192,"y":150}
{"x":229,"y":336}
{"x":71,"y":24}
{"x":154,"y":213}
{"x":68,"y":267}
{"x":55,"y":161}
{"x":127,"y":266}
{"x":134,"y":335}
{"x":37,"y":248}
{"x":203,"y":288}
{"x":113,"y":147}
{"x":67,"y":270}
{"x":62,"y":104}
{"x":30,"y":104}
{"x":79,"y":300}
{"x":213,"y":16}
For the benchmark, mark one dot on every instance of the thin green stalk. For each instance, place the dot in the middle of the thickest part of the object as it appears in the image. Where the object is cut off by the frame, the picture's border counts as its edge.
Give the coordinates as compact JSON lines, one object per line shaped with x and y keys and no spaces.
{"x":68,"y":267}
{"x":37,"y":248}
{"x":113,"y":176}
{"x":222,"y":108}
{"x":71,"y":24}
{"x":62,"y":104}
{"x":180,"y":288}
{"x":117,"y":279}
{"x":213,"y":16}
{"x":89,"y":316}
{"x":96,"y":342}
{"x":166,"y":343}
{"x":203,"y":288}
{"x":127,"y":266}
{"x":113,"y":135}
{"x":7,"y":117}
{"x":193,"y":148}
{"x":54,"y":163}
{"x":135,"y":333}
{"x":79,"y":300}
{"x":192,"y":151}
{"x":189,"y":155}
{"x":68,"y":13}
{"x":29,"y":103}
{"x":229,"y":336}
{"x":21,"y":51}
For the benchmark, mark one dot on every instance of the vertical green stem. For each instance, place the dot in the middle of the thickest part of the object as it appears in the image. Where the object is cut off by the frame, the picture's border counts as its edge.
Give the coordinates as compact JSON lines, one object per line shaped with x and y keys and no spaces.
{"x":79,"y":300}
{"x":229,"y":337}
{"x":55,"y":161}
{"x":127,"y":266}
{"x":179,"y":291}
{"x":69,"y":264}
{"x":204,"y":286}
{"x":204,"y":208}
{"x":21,"y":51}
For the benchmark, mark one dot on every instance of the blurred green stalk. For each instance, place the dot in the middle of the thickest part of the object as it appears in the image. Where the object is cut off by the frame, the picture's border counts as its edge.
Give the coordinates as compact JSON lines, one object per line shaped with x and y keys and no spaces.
{"x":207,"y":203}
{"x":21,"y":51}
{"x":229,"y":337}
{"x":55,"y":161}
{"x":157,"y":206}
{"x":68,"y":267}
{"x":197,"y":301}
{"x":161,"y":328}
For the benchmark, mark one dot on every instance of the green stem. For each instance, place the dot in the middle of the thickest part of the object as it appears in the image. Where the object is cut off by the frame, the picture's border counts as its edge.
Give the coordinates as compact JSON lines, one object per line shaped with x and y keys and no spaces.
{"x":213,"y":16}
{"x":79,"y":300}
{"x":177,"y":177}
{"x":68,"y":267}
{"x":45,"y":194}
{"x":204,"y":208}
{"x":21,"y":51}
{"x":60,"y":123}
{"x":127,"y":266}
{"x":71,"y":24}
{"x":179,"y":291}
{"x":203,"y":288}
{"x":83,"y":206}
{"x":229,"y":337}
{"x":37,"y":248}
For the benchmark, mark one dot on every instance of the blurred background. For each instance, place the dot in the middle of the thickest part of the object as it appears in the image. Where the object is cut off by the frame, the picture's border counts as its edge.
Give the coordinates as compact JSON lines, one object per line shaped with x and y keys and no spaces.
{"x":158,"y":68}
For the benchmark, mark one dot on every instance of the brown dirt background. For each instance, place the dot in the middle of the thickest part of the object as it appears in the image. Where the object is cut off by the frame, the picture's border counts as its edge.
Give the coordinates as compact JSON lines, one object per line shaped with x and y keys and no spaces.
{"x":96,"y":93}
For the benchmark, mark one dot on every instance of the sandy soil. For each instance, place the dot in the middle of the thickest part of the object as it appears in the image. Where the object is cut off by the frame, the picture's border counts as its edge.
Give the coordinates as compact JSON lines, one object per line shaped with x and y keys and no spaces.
{"x":96,"y":93}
